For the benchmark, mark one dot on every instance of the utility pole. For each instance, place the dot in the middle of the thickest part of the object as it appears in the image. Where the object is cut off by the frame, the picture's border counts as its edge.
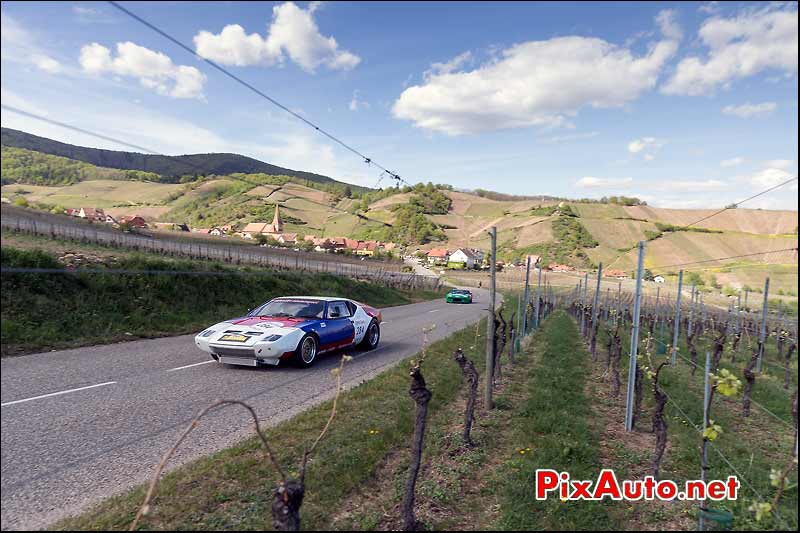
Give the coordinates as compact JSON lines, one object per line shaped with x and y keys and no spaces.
{"x":637,"y":302}
{"x":490,"y":323}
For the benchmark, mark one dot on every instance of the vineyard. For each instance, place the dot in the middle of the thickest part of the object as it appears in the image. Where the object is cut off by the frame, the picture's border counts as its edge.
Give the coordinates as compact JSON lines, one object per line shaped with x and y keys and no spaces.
{"x":714,"y":390}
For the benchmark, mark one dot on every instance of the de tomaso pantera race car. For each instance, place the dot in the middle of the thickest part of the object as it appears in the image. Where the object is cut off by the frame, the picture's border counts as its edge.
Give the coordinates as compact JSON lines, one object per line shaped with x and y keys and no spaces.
{"x":292,"y":328}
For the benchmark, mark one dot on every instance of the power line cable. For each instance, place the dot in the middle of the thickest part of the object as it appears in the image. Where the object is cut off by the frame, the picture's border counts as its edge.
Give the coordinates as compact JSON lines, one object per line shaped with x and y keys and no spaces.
{"x":200,"y":170}
{"x":81,"y":130}
{"x":257,"y":91}
{"x":724,"y":258}
{"x":737,"y":204}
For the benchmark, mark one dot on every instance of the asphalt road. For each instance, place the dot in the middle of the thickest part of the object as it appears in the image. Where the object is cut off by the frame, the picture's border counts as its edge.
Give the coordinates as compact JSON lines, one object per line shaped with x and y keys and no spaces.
{"x":81,"y":425}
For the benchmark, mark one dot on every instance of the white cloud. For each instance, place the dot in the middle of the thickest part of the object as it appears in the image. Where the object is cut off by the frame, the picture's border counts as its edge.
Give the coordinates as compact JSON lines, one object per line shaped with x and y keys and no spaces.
{"x":449,"y":66}
{"x":154,"y":70}
{"x":13,"y":99}
{"x":646,"y":146}
{"x":647,"y":188}
{"x":356,"y":103}
{"x":741,"y":46}
{"x":750,"y":110}
{"x":292,"y":33}
{"x":709,"y":7}
{"x":783,"y":164}
{"x":46,"y":63}
{"x":669,"y":28}
{"x":769,"y":177}
{"x":19,"y":46}
{"x":590,"y":182}
{"x":700,"y":193}
{"x":81,"y":10}
{"x":732,"y":162}
{"x":534,"y":83}
{"x":687,"y":186}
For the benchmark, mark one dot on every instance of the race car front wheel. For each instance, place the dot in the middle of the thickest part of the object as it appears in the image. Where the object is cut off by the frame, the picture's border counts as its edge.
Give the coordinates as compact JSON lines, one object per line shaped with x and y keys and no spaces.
{"x":307,"y":351}
{"x":372,"y":337}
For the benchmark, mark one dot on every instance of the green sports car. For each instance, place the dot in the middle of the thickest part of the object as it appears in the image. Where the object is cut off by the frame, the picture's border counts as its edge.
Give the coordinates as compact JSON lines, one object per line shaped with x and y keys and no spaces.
{"x":459,"y":296}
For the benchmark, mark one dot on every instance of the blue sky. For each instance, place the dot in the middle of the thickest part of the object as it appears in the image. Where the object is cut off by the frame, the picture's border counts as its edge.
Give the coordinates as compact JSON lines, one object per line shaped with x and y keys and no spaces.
{"x":683,"y":104}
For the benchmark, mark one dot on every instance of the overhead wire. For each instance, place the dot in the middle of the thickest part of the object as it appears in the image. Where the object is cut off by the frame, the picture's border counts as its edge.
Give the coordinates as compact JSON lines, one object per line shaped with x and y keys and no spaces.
{"x":737,"y":204}
{"x":178,"y":159}
{"x":259,"y":92}
{"x":794,"y":249}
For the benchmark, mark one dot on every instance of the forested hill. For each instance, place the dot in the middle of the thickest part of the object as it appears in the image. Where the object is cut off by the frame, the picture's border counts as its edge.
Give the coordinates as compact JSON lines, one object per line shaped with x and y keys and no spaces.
{"x":165,"y":166}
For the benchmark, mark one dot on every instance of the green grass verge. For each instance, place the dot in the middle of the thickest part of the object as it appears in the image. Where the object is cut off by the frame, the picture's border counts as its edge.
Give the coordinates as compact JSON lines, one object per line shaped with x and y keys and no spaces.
{"x":42,"y":311}
{"x":231,"y":489}
{"x":555,"y":421}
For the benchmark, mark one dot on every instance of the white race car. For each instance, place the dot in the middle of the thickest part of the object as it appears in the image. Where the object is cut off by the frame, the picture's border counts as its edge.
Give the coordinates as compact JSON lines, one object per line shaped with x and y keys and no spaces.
{"x":292,"y":328}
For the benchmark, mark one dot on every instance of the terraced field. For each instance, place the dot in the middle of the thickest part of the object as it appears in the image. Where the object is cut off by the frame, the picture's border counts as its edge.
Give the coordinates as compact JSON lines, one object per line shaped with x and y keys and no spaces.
{"x":520,"y":224}
{"x":96,"y":193}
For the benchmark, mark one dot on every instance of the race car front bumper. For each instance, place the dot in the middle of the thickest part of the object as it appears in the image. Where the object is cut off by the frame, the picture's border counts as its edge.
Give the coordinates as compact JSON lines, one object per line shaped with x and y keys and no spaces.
{"x":259,"y":353}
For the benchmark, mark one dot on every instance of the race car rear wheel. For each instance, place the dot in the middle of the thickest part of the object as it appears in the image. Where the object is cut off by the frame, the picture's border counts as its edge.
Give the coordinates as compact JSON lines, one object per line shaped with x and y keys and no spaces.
{"x":372,"y":337}
{"x":307,"y":351}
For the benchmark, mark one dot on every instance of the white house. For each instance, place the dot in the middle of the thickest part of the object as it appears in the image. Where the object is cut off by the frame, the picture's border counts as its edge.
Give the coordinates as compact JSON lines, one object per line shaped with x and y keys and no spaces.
{"x":463,"y":255}
{"x":659,"y":279}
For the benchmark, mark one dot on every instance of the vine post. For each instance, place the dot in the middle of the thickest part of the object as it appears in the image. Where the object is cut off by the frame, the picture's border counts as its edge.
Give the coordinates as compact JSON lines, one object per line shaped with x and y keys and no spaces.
{"x":595,"y":305}
{"x":537,"y":306}
{"x":527,"y":295}
{"x":704,"y":457}
{"x":490,"y":333}
{"x":518,"y":319}
{"x":763,"y":336}
{"x":658,"y":309}
{"x":676,"y":332}
{"x":634,"y":341}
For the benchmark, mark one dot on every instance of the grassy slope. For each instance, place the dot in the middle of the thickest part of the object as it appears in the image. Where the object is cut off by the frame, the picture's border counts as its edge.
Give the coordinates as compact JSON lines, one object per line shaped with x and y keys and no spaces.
{"x":230,"y":489}
{"x":96,"y":193}
{"x":555,"y":422}
{"x":616,"y":228}
{"x":42,"y":311}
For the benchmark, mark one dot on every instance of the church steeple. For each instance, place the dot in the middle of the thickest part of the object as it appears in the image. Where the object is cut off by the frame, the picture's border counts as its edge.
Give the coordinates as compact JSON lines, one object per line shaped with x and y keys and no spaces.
{"x":277,"y":223}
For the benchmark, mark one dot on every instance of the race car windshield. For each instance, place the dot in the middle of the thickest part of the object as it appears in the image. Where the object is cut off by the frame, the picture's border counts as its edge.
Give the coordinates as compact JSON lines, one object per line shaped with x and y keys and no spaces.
{"x":290,"y":308}
{"x":460,"y":292}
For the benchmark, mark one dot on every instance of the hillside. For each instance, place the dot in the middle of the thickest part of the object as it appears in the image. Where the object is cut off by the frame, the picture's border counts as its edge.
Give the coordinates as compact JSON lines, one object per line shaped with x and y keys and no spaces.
{"x":578,"y":233}
{"x":170,"y":168}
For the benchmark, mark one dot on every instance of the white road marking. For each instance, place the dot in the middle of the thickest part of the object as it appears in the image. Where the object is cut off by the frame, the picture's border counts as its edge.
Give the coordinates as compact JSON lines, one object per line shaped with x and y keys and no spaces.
{"x":433,"y":310}
{"x":190,"y":366}
{"x":58,"y":393}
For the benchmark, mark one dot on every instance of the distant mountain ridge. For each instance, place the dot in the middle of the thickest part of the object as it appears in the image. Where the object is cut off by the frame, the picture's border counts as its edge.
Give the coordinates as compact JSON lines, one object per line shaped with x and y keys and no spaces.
{"x":167,"y":166}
